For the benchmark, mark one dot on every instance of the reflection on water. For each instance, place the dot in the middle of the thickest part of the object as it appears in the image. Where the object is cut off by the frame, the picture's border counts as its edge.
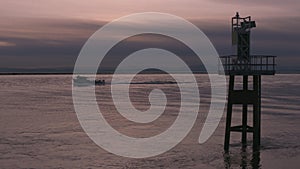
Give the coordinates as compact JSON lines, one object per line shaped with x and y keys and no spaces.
{"x":246,"y":159}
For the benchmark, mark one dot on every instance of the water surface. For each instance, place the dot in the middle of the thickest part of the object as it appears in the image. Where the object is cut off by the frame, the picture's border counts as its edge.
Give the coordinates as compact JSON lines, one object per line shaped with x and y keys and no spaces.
{"x":39,"y":127}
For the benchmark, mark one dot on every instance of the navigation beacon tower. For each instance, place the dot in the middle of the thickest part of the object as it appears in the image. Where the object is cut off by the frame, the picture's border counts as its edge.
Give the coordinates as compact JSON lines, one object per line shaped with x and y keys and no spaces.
{"x":245,"y":65}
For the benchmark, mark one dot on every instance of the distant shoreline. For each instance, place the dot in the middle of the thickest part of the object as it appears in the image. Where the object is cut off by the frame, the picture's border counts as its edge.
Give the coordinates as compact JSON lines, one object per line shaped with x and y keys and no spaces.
{"x":108,"y":73}
{"x":88,"y":73}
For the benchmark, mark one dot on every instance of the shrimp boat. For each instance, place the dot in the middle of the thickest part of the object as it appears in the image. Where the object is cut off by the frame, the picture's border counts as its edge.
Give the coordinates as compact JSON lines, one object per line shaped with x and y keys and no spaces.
{"x":84,"y":81}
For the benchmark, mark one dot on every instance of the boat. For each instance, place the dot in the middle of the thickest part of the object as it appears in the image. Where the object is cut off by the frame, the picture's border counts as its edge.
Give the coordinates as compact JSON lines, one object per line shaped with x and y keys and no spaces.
{"x":84,"y":81}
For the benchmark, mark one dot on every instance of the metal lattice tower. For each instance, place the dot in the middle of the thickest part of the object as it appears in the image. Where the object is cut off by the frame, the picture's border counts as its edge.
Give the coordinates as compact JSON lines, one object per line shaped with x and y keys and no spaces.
{"x":243,"y":64}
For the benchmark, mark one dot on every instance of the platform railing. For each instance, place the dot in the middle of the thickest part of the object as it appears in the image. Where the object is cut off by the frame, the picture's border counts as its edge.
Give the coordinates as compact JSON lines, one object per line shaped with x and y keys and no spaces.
{"x":256,"y":65}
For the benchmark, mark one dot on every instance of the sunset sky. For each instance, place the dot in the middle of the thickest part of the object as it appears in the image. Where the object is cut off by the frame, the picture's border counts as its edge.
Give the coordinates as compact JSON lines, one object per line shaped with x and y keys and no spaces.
{"x":48,"y":35}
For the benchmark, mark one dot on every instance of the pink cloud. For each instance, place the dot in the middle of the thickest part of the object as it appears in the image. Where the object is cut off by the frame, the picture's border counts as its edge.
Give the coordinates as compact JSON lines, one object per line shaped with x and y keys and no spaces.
{"x":6,"y":44}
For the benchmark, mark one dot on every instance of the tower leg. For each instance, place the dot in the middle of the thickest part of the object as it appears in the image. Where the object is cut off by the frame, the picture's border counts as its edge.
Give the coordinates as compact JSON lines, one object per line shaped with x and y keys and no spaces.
{"x":244,"y":116}
{"x":259,"y":109}
{"x":256,"y":113}
{"x":229,"y":115}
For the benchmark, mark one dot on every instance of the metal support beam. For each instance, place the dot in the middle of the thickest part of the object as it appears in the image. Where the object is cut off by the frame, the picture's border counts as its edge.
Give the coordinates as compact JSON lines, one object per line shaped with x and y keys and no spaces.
{"x":229,"y":115}
{"x":257,"y":112}
{"x":244,"y":118}
{"x":247,"y":97}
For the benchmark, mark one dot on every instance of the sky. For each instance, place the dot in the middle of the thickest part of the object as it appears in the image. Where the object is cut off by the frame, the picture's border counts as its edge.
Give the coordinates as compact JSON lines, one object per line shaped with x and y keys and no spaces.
{"x":43,"y":35}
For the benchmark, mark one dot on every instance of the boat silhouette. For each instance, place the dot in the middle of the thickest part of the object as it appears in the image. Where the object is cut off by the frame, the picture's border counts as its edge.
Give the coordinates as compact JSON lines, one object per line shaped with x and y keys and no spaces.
{"x":84,"y":81}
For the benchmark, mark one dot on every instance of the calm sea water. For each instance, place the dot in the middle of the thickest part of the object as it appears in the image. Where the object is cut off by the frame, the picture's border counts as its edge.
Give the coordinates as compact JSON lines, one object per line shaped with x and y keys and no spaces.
{"x":39,"y":127}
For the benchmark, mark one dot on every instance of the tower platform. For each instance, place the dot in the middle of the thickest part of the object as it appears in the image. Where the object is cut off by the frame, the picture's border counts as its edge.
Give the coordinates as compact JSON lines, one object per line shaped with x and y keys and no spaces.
{"x":256,"y":65}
